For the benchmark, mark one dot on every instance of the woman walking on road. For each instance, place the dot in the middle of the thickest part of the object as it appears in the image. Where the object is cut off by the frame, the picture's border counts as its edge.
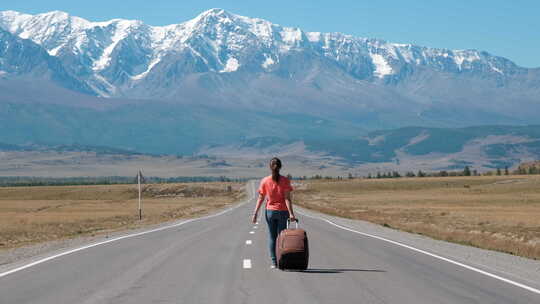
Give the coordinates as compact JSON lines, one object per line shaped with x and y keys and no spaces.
{"x":277,"y":189}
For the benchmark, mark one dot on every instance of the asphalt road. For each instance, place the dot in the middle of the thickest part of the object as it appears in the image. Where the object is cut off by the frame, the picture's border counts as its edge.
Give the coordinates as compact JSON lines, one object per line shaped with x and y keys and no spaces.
{"x":211,"y":260}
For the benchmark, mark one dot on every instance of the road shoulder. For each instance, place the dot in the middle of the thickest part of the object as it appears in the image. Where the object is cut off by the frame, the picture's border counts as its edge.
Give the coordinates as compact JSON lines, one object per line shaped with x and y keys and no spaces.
{"x":523,"y":270}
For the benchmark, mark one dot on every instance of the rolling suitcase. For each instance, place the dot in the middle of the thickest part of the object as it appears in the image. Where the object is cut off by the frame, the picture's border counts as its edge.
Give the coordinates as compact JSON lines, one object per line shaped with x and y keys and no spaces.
{"x":292,"y":251}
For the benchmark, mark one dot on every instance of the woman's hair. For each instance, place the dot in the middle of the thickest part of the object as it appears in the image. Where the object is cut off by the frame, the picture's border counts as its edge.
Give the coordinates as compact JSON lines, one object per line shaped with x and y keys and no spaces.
{"x":275,"y":172}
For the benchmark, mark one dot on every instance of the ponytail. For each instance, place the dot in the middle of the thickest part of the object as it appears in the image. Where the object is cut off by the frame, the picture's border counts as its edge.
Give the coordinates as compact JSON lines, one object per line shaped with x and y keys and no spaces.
{"x":275,"y":171}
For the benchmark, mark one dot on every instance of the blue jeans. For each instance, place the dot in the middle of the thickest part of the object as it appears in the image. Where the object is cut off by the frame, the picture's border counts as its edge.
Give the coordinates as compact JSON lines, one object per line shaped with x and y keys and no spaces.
{"x":277,"y":221}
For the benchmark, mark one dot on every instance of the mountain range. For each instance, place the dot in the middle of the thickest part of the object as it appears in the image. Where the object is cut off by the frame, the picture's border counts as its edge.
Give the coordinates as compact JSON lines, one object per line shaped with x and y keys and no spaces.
{"x":222,"y":78}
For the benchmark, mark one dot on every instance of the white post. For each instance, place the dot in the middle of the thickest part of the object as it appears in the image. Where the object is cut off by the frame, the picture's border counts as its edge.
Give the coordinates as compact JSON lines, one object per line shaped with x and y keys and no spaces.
{"x":140,"y":206}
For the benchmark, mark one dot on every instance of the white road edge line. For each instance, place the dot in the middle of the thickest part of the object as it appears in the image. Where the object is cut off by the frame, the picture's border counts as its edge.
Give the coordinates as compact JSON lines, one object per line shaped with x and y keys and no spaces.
{"x":248,"y":242}
{"x":531,"y":289}
{"x":3,"y":274}
{"x":247,"y":264}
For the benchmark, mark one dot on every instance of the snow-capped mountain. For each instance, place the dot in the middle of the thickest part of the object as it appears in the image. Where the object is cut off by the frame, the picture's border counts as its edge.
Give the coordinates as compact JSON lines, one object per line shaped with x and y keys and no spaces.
{"x":19,"y":57}
{"x":231,"y":60}
{"x":118,"y":54}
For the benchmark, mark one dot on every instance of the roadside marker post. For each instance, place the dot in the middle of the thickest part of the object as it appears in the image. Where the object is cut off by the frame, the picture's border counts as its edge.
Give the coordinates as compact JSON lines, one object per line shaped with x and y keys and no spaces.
{"x":139,"y":176}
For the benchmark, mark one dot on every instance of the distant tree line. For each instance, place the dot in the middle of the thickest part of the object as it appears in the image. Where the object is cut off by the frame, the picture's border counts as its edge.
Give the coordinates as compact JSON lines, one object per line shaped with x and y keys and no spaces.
{"x":14,"y":181}
{"x":23,"y":181}
{"x":530,"y":170}
{"x":467,"y":171}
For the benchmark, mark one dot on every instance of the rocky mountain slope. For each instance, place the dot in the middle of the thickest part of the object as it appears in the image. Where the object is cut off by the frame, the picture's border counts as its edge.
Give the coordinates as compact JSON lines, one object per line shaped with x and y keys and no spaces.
{"x":224,"y":60}
{"x":21,"y":58}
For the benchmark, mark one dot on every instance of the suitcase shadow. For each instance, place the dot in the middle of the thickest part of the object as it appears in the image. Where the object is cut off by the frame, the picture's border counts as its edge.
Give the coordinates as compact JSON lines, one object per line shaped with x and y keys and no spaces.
{"x":337,"y":270}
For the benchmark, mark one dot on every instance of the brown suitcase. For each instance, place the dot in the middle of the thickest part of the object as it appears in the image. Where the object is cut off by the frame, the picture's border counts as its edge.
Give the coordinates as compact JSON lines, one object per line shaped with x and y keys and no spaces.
{"x":292,"y":249}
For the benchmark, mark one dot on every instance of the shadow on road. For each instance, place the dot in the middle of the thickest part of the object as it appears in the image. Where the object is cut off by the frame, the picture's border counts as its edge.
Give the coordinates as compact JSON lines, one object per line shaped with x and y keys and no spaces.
{"x":338,"y":270}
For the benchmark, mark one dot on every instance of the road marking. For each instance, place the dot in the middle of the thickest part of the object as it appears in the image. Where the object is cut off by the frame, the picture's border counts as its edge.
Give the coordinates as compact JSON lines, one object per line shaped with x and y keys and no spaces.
{"x":248,"y":242}
{"x":251,"y":232}
{"x":254,"y":227}
{"x":3,"y":274}
{"x":247,"y":263}
{"x":537,"y":291}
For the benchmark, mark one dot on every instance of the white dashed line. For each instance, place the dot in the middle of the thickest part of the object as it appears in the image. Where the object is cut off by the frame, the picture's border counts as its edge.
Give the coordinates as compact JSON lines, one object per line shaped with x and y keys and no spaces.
{"x":247,"y":263}
{"x":251,"y":232}
{"x":248,"y":242}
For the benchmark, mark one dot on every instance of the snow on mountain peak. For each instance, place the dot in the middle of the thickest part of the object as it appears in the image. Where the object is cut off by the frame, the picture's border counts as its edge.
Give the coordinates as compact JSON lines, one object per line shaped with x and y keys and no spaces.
{"x":10,"y":20}
{"x":382,"y":68}
{"x":10,"y":16}
{"x":56,"y":14}
{"x":222,"y":42}
{"x":211,"y":17}
{"x":121,"y":31}
{"x":461,"y":56}
{"x":314,"y":36}
{"x":215,"y":12}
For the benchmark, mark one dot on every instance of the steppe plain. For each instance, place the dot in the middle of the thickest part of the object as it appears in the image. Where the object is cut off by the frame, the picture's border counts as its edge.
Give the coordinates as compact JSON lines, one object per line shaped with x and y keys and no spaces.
{"x":492,"y":212}
{"x":30,"y":215}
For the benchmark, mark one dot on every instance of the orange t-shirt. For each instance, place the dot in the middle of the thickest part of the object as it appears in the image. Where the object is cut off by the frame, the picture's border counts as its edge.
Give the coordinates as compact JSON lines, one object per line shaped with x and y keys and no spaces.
{"x":275,"y":192}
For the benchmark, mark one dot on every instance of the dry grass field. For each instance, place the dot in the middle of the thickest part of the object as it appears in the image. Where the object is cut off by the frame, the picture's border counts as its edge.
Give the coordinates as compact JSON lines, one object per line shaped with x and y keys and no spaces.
{"x":36,"y":214}
{"x":498,"y":212}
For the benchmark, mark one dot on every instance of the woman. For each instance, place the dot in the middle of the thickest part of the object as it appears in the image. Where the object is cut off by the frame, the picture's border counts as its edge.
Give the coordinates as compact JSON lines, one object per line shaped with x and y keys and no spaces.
{"x":277,"y":189}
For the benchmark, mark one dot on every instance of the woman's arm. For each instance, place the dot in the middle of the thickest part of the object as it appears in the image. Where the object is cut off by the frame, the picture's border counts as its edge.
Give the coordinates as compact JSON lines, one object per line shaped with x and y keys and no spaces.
{"x":257,"y":207}
{"x":288,"y":202}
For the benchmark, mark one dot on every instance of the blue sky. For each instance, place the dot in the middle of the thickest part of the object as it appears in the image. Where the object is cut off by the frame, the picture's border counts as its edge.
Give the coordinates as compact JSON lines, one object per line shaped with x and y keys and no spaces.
{"x":505,"y":28}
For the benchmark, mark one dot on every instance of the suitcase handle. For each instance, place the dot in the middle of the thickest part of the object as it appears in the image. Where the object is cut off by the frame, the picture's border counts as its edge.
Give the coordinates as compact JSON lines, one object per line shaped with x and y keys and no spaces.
{"x":289,"y":220}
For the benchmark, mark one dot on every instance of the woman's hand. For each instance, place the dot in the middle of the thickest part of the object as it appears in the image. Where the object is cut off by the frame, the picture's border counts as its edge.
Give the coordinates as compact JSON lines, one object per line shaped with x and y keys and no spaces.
{"x":254,"y":218}
{"x":292,"y":218}
{"x":256,"y":211}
